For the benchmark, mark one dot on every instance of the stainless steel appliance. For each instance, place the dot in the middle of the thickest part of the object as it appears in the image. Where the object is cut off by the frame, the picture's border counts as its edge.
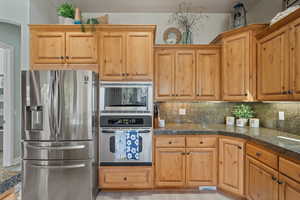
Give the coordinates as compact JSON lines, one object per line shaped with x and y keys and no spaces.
{"x":111,"y":124}
{"x":59,"y":133}
{"x":135,"y":98}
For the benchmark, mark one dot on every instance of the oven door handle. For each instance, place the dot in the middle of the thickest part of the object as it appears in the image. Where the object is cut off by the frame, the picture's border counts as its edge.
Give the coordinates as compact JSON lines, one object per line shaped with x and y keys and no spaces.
{"x":106,"y":131}
{"x":144,"y":131}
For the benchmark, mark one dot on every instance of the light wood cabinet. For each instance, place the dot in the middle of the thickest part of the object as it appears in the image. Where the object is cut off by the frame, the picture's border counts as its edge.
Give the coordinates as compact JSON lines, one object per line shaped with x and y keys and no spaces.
{"x":261,"y":181}
{"x":273,"y":62}
{"x":288,"y":189}
{"x":295,"y":60}
{"x":170,"y":167}
{"x":201,"y":167}
{"x":63,"y":47}
{"x":208,"y":66}
{"x":231,"y":165}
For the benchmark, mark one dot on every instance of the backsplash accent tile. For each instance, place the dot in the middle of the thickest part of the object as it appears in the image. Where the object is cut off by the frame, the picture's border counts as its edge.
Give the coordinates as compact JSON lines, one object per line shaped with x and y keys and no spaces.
{"x":215,"y":113}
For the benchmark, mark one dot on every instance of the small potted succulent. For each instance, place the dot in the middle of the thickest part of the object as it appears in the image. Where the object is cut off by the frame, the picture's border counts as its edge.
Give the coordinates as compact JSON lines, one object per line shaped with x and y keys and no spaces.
{"x":243,"y":113}
{"x":66,"y":13}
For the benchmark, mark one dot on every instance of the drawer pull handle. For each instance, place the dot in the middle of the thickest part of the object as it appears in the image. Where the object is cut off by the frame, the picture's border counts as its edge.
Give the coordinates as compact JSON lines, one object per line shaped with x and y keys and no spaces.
{"x":258,"y":154}
{"x":125,"y":178}
{"x":280,"y":182}
{"x":183,"y":153}
{"x":170,"y":142}
{"x":239,"y":147}
{"x":201,"y":142}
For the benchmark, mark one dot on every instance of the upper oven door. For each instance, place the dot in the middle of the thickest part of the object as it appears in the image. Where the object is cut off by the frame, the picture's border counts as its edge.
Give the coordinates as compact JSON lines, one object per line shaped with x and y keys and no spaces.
{"x":126,"y":97}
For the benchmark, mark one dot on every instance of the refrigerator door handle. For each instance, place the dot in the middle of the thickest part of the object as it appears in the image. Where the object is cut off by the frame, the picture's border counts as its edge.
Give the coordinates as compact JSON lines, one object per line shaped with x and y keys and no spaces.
{"x":77,"y":147}
{"x":51,"y":104}
{"x":59,"y":166}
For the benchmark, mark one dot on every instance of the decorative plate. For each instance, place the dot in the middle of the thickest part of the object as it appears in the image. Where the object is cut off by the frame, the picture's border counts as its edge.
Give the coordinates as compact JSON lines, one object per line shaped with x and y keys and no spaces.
{"x":172,"y":36}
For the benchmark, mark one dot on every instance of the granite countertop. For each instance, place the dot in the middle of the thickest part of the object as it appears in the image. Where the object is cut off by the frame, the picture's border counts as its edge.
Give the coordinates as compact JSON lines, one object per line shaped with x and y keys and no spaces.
{"x":264,"y":136}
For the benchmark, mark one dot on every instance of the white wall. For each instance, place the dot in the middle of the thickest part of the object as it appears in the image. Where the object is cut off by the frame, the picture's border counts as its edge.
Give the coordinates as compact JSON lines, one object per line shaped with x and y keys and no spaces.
{"x":43,"y":12}
{"x":211,"y":27}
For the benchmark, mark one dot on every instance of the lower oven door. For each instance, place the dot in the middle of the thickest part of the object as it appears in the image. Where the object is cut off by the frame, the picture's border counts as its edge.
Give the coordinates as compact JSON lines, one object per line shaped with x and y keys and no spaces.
{"x":108,"y":149}
{"x":58,"y":180}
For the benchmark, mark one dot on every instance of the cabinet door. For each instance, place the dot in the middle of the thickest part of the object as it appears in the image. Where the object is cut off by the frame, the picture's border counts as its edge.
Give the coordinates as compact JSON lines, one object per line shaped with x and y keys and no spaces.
{"x":236,"y":67}
{"x":288,"y":189}
{"x":231,"y":166}
{"x":201,"y":167}
{"x":139,"y":62}
{"x":112,"y":54}
{"x":295,"y":60}
{"x":185,"y":74}
{"x":208,"y":75}
{"x":261,"y":181}
{"x":170,"y":167}
{"x":81,"y":48}
{"x":47,"y":48}
{"x":273,"y":66}
{"x":164,"y":70}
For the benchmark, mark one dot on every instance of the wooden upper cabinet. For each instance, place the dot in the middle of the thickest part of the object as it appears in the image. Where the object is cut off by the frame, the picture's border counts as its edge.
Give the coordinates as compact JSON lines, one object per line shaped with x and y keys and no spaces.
{"x":201,"y":167}
{"x":288,"y":188}
{"x":164,"y":70}
{"x":170,"y":167}
{"x":81,"y":47}
{"x":261,"y":181}
{"x":236,"y":67}
{"x":295,"y":60}
{"x":47,"y":48}
{"x":208,"y":74}
{"x":112,"y":56}
{"x":231,"y":165}
{"x":139,"y":51}
{"x":185,"y":74}
{"x":273,"y":66}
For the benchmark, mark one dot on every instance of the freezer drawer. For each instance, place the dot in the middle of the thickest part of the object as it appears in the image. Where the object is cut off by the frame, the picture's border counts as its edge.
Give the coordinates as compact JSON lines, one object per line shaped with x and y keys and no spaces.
{"x":58,"y":180}
{"x":77,"y":150}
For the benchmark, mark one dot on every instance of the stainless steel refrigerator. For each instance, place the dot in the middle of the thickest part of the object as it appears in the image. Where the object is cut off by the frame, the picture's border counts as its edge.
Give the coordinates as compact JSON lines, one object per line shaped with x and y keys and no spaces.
{"x":59,"y":135}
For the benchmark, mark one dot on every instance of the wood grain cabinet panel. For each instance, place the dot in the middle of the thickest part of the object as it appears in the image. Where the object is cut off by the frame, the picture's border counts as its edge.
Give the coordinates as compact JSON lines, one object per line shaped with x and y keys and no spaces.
{"x":47,"y":48}
{"x":185,"y":74}
{"x":139,"y":52}
{"x":164,"y":74}
{"x":201,"y":169}
{"x":112,"y":56}
{"x":236,"y":67}
{"x":170,"y":141}
{"x":170,"y":167}
{"x":295,"y":59}
{"x":288,"y":189}
{"x":208,"y":74}
{"x":231,"y":165}
{"x":81,"y":48}
{"x":261,"y":181}
{"x":273,"y":66}
{"x":202,"y":141}
{"x":289,"y":168}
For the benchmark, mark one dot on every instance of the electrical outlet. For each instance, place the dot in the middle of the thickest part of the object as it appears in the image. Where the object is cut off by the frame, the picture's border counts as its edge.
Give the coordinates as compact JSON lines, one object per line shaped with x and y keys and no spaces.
{"x":281,"y":116}
{"x":182,"y":111}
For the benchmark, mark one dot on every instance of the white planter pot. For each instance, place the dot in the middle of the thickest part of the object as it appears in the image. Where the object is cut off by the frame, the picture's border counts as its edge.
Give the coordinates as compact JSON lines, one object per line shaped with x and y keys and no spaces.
{"x":241,"y":122}
{"x":66,"y":21}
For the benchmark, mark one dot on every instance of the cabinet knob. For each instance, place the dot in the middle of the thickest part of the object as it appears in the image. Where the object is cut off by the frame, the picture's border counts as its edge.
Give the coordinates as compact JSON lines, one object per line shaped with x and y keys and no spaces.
{"x":123,"y":74}
{"x":62,"y":57}
{"x":67,"y":57}
{"x":246,"y":94}
{"x":258,"y":154}
{"x":285,"y":92}
{"x":280,"y":182}
{"x":182,"y":153}
{"x":274,"y":178}
{"x":239,"y":147}
{"x":125,"y":178}
{"x":201,"y":142}
{"x":170,"y":142}
{"x":189,"y":153}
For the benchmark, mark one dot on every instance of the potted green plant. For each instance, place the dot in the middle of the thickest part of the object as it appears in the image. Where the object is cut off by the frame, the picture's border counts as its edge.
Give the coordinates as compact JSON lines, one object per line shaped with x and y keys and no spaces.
{"x":243,"y":113}
{"x":66,"y":13}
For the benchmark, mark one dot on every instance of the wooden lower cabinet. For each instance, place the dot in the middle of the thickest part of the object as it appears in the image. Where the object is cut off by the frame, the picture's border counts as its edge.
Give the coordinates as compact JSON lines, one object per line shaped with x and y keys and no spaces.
{"x":288,"y":189}
{"x":231,"y":165}
{"x":170,"y":167}
{"x":261,"y":181}
{"x":201,"y":168}
{"x":125,"y":177}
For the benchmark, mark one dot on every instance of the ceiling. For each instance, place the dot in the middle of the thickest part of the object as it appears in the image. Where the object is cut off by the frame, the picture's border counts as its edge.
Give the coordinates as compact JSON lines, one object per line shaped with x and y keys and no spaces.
{"x":210,"y":6}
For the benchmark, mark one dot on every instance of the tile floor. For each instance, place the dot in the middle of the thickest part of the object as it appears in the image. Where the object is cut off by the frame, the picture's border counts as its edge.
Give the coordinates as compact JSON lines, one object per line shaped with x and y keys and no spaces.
{"x":161,"y":196}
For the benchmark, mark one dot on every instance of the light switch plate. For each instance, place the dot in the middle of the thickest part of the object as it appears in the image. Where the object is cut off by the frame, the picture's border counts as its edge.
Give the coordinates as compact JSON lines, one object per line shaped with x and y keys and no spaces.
{"x":182,"y":111}
{"x":281,"y":115}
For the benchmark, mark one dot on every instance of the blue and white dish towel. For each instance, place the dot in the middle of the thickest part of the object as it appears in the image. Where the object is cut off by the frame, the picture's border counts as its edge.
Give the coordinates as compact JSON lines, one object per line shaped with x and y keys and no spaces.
{"x":127,"y":145}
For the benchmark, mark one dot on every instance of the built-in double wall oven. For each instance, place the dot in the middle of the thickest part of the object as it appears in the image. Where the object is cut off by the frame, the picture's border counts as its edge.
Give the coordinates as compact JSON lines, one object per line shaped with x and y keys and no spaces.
{"x":125,"y":107}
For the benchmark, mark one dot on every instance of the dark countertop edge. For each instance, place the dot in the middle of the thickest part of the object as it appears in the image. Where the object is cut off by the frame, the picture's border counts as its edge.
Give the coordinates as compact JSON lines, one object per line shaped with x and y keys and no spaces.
{"x":10,"y":183}
{"x":278,"y":149}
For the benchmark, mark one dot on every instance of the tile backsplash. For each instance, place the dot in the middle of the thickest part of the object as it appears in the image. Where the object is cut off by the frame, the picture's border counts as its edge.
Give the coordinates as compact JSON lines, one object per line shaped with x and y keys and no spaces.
{"x":215,"y":113}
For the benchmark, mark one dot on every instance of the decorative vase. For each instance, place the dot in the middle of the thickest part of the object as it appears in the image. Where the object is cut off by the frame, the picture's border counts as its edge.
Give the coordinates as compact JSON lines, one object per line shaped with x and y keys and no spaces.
{"x":230,"y":121}
{"x":241,"y":122}
{"x":66,"y":21}
{"x":77,"y":16}
{"x":187,"y":37}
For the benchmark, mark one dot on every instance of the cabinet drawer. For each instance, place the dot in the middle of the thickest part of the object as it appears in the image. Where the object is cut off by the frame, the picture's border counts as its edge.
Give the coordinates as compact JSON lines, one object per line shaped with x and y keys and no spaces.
{"x":201,"y":141}
{"x":170,"y":141}
{"x":125,"y":177}
{"x":289,"y":168}
{"x":262,"y":155}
